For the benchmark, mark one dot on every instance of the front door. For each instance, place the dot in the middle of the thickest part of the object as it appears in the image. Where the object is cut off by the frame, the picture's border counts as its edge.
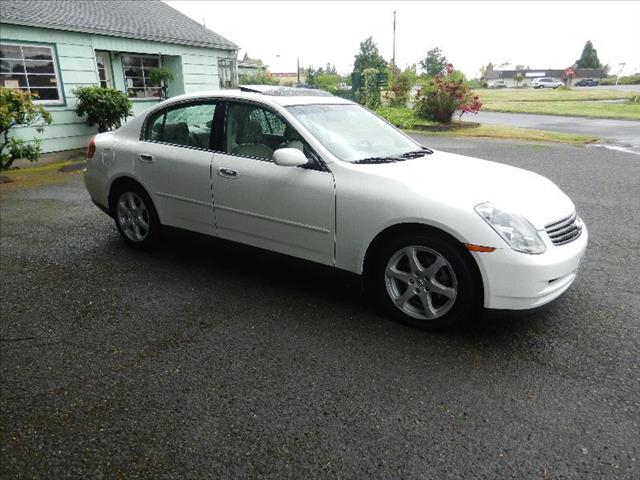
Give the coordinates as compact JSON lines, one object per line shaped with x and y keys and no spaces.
{"x":286,"y":209}
{"x":175,"y":162}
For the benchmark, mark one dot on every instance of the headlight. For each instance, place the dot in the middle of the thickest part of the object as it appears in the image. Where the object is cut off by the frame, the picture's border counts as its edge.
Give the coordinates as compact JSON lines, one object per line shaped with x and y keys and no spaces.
{"x":515,"y":230}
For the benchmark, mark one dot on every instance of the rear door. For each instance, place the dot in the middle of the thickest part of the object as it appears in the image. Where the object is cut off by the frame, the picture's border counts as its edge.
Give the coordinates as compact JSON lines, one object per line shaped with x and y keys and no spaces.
{"x":175,"y":161}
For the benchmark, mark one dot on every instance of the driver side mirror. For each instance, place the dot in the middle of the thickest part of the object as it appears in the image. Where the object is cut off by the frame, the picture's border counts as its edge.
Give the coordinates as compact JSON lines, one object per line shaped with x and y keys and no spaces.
{"x":289,"y":157}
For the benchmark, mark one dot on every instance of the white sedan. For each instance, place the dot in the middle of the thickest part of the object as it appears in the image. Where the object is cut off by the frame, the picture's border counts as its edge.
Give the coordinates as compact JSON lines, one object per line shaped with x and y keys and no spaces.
{"x":435,"y":236}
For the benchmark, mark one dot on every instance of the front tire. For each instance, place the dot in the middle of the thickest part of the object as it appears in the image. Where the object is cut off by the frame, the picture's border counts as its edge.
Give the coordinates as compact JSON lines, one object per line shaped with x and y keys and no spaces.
{"x":424,"y":280}
{"x":136,"y":217}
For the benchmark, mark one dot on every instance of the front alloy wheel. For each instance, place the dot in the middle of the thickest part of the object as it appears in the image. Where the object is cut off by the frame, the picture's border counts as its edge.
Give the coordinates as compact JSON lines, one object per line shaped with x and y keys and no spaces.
{"x":421,"y":282}
{"x":425,"y":279}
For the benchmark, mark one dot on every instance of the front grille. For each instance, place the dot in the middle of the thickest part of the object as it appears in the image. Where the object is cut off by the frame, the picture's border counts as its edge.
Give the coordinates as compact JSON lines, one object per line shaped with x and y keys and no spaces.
{"x":565,"y":230}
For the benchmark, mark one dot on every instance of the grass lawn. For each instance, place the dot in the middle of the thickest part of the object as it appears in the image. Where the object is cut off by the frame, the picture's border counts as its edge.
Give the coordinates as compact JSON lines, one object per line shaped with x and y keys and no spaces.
{"x":36,"y":175}
{"x":577,"y":102}
{"x":549,"y":95}
{"x":405,"y":119}
{"x":513,"y":133}
{"x":624,"y":111}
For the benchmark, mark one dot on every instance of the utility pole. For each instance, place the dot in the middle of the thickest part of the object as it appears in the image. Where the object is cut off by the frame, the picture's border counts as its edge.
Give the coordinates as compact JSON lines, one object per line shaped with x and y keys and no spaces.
{"x":298,"y":68}
{"x":393,"y":60}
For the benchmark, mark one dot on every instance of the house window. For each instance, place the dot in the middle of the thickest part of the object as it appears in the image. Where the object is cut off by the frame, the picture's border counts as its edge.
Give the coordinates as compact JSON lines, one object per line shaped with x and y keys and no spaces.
{"x":136,"y":75}
{"x":31,"y":68}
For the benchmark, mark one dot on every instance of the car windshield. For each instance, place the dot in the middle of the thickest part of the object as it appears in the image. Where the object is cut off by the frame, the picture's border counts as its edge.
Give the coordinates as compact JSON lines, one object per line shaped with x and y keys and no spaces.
{"x":353,"y":134}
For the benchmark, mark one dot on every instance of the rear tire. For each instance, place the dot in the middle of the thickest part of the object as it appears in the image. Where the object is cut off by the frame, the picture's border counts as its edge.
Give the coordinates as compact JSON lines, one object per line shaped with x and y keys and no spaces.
{"x":424,"y":280}
{"x":135,"y":216}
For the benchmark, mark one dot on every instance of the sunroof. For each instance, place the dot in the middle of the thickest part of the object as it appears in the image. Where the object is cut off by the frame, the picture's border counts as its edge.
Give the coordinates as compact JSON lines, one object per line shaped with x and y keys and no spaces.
{"x":284,"y":91}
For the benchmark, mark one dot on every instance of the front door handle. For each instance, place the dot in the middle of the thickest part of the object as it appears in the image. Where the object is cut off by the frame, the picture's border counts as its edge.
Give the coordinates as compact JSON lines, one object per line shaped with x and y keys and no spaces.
{"x":227,"y":173}
{"x":145,"y":157}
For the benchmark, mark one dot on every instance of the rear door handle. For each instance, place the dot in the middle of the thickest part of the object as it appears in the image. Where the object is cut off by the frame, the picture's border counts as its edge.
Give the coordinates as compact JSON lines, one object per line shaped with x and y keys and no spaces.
{"x":145,"y":157}
{"x":227,"y":173}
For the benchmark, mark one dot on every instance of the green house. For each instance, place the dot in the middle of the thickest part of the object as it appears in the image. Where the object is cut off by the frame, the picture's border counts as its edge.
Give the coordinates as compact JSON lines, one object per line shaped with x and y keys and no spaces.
{"x":50,"y":47}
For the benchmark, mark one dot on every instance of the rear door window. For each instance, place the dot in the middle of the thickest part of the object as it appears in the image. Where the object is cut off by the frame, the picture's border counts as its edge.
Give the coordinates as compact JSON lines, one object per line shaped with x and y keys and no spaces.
{"x":186,"y":125}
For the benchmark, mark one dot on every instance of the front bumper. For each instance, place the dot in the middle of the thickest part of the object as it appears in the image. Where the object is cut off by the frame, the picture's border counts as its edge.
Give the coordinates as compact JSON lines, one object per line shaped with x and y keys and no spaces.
{"x":518,"y":281}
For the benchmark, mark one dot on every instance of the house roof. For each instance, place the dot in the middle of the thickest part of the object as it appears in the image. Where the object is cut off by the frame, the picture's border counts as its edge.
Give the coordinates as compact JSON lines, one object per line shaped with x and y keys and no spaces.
{"x":139,"y":19}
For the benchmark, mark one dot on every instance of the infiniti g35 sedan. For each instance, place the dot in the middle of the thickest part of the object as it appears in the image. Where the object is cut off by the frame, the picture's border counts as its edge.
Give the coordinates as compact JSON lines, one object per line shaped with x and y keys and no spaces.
{"x":434,"y":236}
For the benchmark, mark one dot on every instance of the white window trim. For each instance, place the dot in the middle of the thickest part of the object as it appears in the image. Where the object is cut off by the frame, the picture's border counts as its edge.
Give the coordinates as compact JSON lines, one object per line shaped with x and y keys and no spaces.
{"x":54,"y":59}
{"x":124,"y":75}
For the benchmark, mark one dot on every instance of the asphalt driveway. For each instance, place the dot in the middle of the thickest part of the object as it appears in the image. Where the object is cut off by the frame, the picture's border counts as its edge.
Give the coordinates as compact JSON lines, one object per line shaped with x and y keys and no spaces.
{"x":206,"y":361}
{"x":619,"y":133}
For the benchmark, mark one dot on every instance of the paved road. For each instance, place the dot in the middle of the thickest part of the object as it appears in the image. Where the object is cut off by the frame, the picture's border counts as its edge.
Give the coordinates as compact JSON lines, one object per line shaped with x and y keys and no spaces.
{"x":625,"y":88}
{"x":622,"y":133}
{"x":203,"y":361}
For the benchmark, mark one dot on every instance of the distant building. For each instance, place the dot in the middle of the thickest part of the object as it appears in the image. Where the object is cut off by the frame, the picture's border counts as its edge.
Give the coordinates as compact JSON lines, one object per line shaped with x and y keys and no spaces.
{"x":250,"y":66}
{"x":529,"y":74}
{"x":287,"y":78}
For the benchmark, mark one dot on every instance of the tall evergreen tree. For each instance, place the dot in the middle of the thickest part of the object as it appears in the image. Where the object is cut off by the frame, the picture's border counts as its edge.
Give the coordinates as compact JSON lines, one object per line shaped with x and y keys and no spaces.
{"x":589,"y":57}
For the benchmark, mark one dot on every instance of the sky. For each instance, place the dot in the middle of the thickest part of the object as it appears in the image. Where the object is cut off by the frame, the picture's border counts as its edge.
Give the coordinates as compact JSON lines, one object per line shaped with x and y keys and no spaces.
{"x":539,"y":34}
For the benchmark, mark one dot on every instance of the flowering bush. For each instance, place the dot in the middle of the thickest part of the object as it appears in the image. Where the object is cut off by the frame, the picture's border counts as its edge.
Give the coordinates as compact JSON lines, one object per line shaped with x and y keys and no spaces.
{"x":440,"y":97}
{"x":18,"y":110}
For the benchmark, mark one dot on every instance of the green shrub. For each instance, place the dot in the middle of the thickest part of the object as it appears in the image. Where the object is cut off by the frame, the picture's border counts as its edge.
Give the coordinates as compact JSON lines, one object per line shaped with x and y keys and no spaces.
{"x":326,"y":81}
{"x":370,"y":94}
{"x":404,"y":118}
{"x":398,"y":116}
{"x":17,"y":109}
{"x":107,"y":108}
{"x":262,"y":78}
{"x":400,"y":87}
{"x":628,"y":80}
{"x":440,"y":97}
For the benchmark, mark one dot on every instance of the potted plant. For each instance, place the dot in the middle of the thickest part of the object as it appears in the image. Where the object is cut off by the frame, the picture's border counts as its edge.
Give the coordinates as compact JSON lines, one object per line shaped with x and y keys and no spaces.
{"x":160,"y":76}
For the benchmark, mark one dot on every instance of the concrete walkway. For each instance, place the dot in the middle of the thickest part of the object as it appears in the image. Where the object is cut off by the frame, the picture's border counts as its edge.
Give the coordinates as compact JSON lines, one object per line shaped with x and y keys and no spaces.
{"x":621,"y":133}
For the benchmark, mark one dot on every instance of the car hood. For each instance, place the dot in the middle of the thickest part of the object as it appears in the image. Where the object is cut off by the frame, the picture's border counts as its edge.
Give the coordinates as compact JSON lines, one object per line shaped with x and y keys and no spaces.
{"x":464,"y":182}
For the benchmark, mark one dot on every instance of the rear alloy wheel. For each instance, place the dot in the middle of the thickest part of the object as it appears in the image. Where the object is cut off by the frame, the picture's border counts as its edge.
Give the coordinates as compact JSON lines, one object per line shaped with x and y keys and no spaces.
{"x":136,"y":217}
{"x":425,"y":281}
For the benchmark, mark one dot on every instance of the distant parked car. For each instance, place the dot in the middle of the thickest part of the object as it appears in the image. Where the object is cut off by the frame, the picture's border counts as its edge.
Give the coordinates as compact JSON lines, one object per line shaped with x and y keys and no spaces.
{"x":498,"y":84}
{"x":587,"y":82}
{"x":546,"y":82}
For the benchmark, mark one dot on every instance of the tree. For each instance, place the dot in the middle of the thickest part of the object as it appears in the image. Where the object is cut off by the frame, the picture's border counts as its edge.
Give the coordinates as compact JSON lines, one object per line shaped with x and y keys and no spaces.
{"x":330,"y":69}
{"x":368,"y":57}
{"x":518,"y":77}
{"x":17,"y":110}
{"x":434,"y":63}
{"x":589,"y":57}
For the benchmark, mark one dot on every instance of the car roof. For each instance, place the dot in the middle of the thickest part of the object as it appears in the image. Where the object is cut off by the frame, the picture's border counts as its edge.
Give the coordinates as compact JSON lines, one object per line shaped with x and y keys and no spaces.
{"x":299,"y":98}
